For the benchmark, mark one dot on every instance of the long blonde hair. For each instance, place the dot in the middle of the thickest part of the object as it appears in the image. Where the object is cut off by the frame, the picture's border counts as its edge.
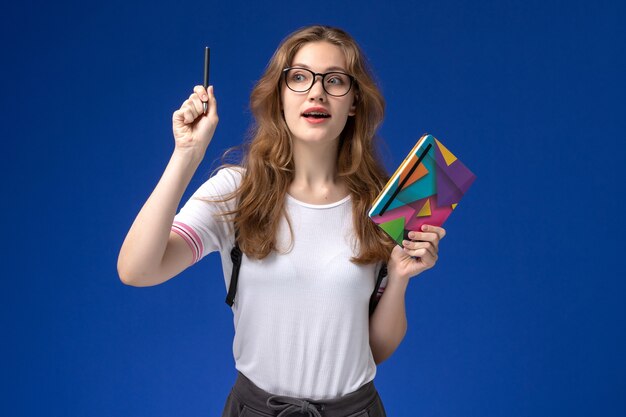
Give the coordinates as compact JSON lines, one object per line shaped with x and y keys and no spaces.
{"x":268,"y":160}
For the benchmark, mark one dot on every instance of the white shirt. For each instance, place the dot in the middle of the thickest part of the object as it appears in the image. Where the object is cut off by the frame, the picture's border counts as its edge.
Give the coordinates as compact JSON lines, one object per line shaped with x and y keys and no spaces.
{"x":301,"y":317}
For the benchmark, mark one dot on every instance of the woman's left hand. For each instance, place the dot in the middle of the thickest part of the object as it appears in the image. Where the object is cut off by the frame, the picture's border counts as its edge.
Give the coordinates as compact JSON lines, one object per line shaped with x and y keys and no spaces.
{"x":415,"y":257}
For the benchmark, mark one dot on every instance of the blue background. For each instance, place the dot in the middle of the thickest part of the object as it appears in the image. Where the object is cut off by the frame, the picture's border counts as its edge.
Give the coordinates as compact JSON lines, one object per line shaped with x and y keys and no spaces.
{"x":523,"y":315}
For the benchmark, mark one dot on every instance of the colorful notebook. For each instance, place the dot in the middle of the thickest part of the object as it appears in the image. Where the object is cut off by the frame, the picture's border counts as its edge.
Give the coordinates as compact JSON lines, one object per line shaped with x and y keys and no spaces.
{"x":425,"y":189}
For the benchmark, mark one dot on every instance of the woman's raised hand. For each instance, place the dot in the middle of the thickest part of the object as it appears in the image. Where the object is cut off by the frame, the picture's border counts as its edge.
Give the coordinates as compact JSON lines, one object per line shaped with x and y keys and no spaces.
{"x":193,"y":129}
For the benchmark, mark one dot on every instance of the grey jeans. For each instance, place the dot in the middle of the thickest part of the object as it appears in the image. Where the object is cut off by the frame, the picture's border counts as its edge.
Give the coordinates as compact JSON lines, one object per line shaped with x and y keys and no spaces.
{"x":248,"y":400}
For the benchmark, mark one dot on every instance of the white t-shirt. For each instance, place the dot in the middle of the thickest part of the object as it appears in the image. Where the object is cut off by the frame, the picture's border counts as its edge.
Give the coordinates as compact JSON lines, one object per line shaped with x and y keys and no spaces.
{"x":301,"y":318}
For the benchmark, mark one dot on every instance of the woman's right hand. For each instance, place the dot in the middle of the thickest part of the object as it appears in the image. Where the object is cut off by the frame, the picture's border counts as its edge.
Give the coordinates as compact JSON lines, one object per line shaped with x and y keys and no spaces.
{"x":193,"y":129}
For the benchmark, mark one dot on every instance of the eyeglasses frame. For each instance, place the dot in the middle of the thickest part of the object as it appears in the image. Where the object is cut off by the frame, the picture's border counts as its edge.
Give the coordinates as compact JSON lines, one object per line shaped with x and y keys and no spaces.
{"x":315,"y":74}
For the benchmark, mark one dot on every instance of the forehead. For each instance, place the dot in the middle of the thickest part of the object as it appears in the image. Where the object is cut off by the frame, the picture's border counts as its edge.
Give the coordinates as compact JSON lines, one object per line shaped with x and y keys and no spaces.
{"x":320,"y":56}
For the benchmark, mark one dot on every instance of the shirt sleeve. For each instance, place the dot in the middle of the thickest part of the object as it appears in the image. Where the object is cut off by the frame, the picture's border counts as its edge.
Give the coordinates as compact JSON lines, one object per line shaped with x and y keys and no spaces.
{"x":199,"y":222}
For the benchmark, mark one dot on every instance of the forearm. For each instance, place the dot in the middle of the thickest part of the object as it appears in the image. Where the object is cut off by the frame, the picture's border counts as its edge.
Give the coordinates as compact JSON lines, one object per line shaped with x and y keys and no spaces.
{"x":143,"y":249}
{"x":388,"y":323}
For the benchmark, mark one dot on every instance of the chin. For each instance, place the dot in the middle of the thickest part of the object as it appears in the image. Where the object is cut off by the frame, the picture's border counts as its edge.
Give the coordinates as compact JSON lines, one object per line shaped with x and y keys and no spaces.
{"x":304,"y":132}
{"x":312,"y":138}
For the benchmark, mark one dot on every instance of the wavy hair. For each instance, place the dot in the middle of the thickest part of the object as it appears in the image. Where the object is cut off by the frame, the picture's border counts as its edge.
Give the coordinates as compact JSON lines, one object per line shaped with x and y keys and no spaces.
{"x":268,"y":159}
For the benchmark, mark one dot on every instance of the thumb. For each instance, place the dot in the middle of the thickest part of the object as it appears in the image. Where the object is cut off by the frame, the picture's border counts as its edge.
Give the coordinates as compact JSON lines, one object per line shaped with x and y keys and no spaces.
{"x":212,"y":103}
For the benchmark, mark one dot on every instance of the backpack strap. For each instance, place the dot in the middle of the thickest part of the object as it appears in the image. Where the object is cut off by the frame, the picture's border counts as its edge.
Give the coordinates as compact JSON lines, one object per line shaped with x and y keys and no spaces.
{"x":235,"y":256}
{"x":382,"y":273}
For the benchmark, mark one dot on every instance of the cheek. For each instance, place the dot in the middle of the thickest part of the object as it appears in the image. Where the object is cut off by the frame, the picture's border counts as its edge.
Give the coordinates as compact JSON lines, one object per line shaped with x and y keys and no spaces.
{"x":291,"y":109}
{"x":290,"y":115}
{"x":286,"y":104}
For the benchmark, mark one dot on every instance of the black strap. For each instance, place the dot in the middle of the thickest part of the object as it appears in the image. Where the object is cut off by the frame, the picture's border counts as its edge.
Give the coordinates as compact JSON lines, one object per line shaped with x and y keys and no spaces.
{"x":236,"y":255}
{"x":379,"y":279}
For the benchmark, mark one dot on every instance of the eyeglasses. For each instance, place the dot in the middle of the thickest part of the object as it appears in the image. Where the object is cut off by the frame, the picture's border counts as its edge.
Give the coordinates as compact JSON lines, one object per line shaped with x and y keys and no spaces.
{"x":334,"y":83}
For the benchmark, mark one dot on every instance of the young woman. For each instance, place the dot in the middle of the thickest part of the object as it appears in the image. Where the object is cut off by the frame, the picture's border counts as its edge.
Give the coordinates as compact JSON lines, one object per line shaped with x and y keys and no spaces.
{"x":297,"y":208}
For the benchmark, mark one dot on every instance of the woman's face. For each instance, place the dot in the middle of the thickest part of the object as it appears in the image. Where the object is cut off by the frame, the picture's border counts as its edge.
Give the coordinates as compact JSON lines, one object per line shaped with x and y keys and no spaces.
{"x":319,"y":57}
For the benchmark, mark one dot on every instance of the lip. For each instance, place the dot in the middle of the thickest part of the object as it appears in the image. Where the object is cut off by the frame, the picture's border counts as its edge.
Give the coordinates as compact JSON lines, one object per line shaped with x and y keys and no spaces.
{"x":314,"y":121}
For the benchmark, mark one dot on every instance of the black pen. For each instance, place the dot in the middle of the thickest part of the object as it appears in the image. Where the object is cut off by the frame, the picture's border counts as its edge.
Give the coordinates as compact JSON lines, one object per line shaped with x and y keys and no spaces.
{"x":207,"y":60}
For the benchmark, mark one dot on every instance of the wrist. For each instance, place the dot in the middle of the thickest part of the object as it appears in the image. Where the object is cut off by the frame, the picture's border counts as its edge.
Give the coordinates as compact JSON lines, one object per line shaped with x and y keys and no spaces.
{"x":397,"y":281}
{"x":188,"y":156}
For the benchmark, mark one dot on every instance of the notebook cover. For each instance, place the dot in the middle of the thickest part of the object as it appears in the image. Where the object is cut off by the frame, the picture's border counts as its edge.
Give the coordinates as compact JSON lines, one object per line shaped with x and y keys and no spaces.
{"x":425,"y":189}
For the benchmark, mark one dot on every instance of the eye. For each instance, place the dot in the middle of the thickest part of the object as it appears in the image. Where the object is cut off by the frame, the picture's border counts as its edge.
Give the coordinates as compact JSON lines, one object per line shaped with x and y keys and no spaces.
{"x":337,"y":79}
{"x":299,"y":76}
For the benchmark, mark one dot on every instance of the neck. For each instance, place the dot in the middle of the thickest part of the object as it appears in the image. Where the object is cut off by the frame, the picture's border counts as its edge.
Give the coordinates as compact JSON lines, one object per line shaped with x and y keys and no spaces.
{"x":315,"y":178}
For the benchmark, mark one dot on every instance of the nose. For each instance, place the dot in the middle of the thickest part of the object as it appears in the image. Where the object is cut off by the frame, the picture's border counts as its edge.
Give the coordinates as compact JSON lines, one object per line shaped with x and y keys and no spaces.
{"x":317,"y":91}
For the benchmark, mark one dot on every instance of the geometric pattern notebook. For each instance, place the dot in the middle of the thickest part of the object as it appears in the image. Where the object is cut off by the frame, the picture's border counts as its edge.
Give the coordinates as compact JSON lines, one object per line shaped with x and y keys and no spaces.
{"x":425,"y":188}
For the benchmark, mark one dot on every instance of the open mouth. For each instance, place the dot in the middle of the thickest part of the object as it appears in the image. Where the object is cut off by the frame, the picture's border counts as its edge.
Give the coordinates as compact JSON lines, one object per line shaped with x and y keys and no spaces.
{"x":316,"y":115}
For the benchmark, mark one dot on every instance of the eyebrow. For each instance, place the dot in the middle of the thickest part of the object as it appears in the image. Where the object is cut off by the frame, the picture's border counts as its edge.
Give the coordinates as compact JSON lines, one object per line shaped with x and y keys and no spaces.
{"x":327,"y":69}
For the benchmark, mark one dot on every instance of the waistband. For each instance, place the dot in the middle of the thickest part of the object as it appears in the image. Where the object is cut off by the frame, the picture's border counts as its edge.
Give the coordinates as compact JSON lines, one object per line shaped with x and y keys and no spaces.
{"x":252,"y":396}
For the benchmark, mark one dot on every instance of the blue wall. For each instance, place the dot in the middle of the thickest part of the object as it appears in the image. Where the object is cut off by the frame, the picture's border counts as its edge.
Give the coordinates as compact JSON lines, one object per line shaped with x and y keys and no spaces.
{"x":523,"y":315}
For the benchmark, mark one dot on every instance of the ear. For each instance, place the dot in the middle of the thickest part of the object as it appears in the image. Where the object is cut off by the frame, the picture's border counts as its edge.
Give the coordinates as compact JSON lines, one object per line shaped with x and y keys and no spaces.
{"x":352,"y":111}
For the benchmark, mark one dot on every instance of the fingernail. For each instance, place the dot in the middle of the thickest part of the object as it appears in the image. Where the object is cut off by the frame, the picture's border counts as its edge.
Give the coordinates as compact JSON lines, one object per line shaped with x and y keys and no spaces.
{"x":205,"y":97}
{"x":424,"y":227}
